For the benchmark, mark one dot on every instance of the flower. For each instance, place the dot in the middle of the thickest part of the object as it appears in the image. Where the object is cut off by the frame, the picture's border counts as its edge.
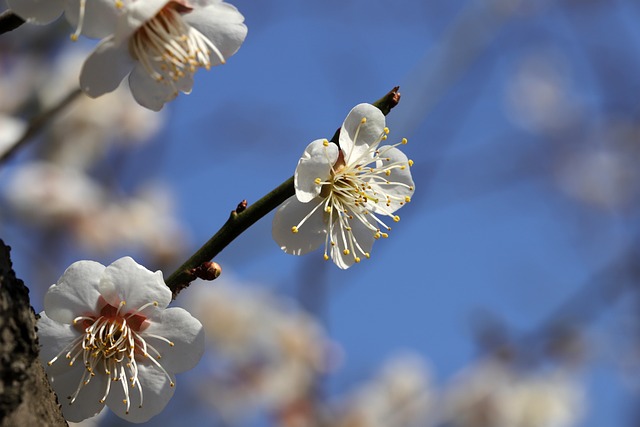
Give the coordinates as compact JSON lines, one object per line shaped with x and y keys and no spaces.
{"x":339,"y":198}
{"x":108,"y":338}
{"x":92,"y":18}
{"x":265,"y":352}
{"x":164,"y":42}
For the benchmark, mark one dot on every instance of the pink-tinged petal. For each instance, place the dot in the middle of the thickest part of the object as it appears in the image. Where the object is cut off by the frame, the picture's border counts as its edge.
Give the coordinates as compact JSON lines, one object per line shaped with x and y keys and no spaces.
{"x":184,"y":331}
{"x":125,"y":280}
{"x":316,"y":163}
{"x":156,"y":391}
{"x":87,"y":402}
{"x":100,"y":17}
{"x":148,"y":92}
{"x":310,"y":235}
{"x":357,"y":138}
{"x":105,"y":68}
{"x":76,"y":292}
{"x":363,"y":235}
{"x":400,"y":181}
{"x":222,"y":24}
{"x":54,"y":337}
{"x":39,"y":12}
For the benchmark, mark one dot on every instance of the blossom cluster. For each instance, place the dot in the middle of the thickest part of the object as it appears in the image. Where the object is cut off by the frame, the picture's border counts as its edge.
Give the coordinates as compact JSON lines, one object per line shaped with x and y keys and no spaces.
{"x":108,"y":335}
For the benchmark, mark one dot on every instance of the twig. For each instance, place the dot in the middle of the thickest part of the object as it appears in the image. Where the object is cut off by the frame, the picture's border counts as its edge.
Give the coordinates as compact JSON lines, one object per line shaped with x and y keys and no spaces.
{"x":38,"y":123}
{"x":9,"y":21}
{"x":241,"y":219}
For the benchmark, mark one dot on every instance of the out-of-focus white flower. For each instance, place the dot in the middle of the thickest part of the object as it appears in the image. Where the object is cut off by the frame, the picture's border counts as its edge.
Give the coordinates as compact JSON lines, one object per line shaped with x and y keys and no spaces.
{"x":108,"y":337}
{"x":266,"y":353}
{"x":97,"y":125}
{"x":164,"y":42}
{"x":49,"y":194}
{"x":145,"y":221}
{"x":92,"y":18}
{"x":11,"y":129}
{"x":539,"y":95}
{"x":492,"y":394}
{"x":342,"y":193}
{"x":401,"y":396}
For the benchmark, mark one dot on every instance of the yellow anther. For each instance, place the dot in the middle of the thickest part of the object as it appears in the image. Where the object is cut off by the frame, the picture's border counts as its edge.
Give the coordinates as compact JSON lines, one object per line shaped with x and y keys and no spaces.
{"x":74,"y":37}
{"x":326,"y":257}
{"x":346,"y":252}
{"x":403,"y":167}
{"x":377,"y":235}
{"x":387,"y":172}
{"x":404,"y":141}
{"x":410,"y":162}
{"x":172,"y":384}
{"x":325,"y":143}
{"x":364,"y":120}
{"x":294,"y":229}
{"x":357,"y":259}
{"x":119,"y":4}
{"x":396,"y":218}
{"x":407,"y":199}
{"x":367,"y":255}
{"x":384,"y":137}
{"x":317,"y":181}
{"x":386,"y":130}
{"x":385,"y":235}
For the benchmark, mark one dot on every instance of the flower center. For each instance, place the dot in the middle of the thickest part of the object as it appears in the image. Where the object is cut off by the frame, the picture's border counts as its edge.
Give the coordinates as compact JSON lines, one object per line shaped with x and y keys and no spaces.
{"x":112,"y":344}
{"x":169,"y":48}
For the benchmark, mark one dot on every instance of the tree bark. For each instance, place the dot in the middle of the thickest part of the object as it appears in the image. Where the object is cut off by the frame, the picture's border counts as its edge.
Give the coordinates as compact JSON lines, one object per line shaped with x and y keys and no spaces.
{"x":26,"y":398}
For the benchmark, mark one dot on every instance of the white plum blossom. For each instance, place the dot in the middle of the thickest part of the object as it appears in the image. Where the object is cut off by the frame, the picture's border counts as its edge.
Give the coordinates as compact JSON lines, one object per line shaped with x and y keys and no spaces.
{"x":108,"y":338}
{"x":92,"y":18}
{"x":342,"y":192}
{"x":160,"y":44}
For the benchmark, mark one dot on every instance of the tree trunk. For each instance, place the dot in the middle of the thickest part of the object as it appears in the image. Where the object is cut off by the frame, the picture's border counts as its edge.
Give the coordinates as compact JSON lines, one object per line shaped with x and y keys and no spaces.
{"x":26,"y":398}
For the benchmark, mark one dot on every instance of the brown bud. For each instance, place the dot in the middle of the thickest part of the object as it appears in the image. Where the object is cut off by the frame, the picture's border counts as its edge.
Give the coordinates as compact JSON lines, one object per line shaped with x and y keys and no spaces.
{"x":208,"y":270}
{"x":241,"y":206}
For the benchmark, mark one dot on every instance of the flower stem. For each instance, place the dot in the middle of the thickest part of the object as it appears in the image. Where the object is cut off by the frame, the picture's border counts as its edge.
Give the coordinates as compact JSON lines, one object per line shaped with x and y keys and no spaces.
{"x":242,"y":218}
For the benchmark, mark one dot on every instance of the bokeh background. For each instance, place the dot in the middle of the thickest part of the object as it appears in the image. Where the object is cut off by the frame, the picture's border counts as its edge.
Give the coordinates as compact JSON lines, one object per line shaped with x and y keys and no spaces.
{"x":507,"y":296}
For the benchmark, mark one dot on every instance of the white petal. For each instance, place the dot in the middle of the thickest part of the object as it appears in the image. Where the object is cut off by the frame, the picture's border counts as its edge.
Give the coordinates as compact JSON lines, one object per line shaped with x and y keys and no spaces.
{"x":356,"y":138}
{"x":361,"y":233}
{"x":316,"y":162}
{"x":135,"y":15}
{"x":105,"y":68}
{"x":76,"y":292}
{"x":126,"y":280}
{"x":37,"y":11}
{"x":309,"y":236}
{"x":100,"y":17}
{"x":87,"y":403}
{"x":156,"y":394}
{"x":222,"y":24}
{"x":400,"y":176}
{"x":53,"y":338}
{"x":186,"y":333}
{"x":148,"y":92}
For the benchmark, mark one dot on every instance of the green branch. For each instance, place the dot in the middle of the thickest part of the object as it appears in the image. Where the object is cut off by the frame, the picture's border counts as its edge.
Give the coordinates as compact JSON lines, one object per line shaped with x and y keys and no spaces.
{"x":244,"y":217}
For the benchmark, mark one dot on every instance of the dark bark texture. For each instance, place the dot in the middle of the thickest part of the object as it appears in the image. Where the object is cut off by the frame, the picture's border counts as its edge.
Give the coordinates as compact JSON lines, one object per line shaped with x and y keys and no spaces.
{"x":26,"y":398}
